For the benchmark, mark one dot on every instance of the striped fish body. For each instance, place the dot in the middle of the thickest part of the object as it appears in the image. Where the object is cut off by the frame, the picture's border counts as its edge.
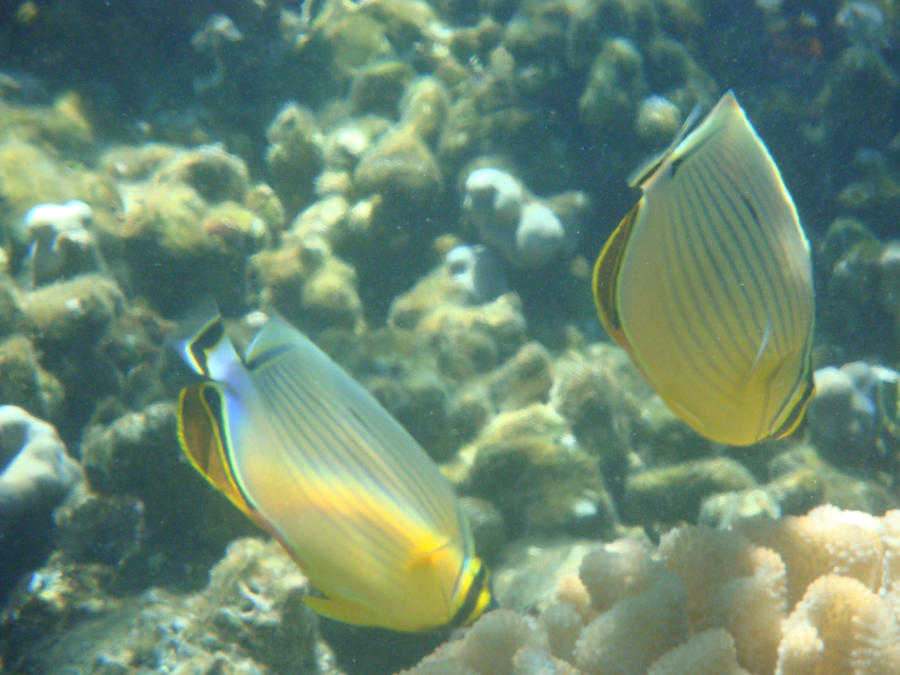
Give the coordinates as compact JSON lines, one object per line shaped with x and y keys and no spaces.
{"x":310,"y":456}
{"x":707,"y":283}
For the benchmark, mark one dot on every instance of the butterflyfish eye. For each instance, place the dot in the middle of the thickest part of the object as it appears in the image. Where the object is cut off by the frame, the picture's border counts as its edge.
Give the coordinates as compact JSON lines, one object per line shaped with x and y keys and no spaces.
{"x":707,"y":284}
{"x":310,"y":456}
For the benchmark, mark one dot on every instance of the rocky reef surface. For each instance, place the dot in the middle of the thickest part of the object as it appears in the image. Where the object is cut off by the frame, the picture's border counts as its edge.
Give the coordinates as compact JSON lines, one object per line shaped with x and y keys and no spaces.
{"x":422,"y":188}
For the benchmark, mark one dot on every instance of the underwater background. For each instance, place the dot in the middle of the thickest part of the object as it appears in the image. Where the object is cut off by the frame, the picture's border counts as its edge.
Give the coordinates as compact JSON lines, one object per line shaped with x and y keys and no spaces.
{"x":422,"y":188}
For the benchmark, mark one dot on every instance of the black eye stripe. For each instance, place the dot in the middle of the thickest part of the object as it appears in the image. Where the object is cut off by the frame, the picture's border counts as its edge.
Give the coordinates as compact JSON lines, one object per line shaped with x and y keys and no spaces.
{"x":204,"y":342}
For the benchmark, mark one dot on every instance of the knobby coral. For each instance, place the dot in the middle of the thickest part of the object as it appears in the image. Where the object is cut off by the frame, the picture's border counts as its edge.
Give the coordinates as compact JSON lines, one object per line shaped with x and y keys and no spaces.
{"x":803,"y":594}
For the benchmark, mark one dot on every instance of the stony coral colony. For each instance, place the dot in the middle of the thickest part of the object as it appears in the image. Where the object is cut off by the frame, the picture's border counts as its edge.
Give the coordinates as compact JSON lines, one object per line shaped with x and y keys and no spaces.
{"x":480,"y":160}
{"x":804,"y":594}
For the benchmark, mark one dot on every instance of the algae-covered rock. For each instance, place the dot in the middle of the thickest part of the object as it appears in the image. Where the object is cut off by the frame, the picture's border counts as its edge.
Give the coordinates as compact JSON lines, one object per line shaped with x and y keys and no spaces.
{"x":501,"y":319}
{"x":873,"y":188}
{"x":24,"y":382}
{"x":669,"y":67}
{"x":859,"y":74}
{"x":137,"y":163}
{"x":664,"y":437}
{"x":593,"y":395}
{"x":325,"y":220}
{"x":170,"y":212}
{"x":10,"y":312}
{"x":400,"y":165}
{"x":62,"y":244}
{"x":67,"y":321}
{"x":521,"y":380}
{"x":797,"y":491}
{"x":723,"y":509}
{"x":591,"y":22}
{"x":377,"y":87}
{"x":529,"y":464}
{"x":486,"y":522}
{"x":255,"y":599}
{"x":853,"y":270}
{"x":844,"y":414}
{"x":672,"y":493}
{"x":185,"y":522}
{"x":294,"y":155}
{"x":102,"y":529}
{"x":280,"y":274}
{"x":215,"y":174}
{"x":231,"y":226}
{"x":249,"y":619}
{"x":262,"y":200}
{"x":801,"y":478}
{"x":442,"y":305}
{"x":349,"y":41}
{"x":134,"y":454}
{"x":73,"y":315}
{"x":424,"y":108}
{"x":657,"y":121}
{"x":346,"y":142}
{"x":842,"y":235}
{"x":62,"y":124}
{"x":133,"y":347}
{"x":614,"y":88}
{"x":329,"y":296}
{"x":29,"y":176}
{"x":171,"y":232}
{"x":438,"y":289}
{"x":304,"y":280}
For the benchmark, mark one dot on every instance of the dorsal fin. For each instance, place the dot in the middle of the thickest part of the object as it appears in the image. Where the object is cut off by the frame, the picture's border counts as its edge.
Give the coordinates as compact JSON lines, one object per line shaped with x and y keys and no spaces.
{"x":647,"y":168}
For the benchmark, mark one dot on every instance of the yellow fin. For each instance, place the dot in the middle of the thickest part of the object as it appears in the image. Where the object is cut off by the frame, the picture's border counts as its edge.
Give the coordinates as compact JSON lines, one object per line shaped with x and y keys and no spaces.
{"x":200,"y":435}
{"x":606,"y":272}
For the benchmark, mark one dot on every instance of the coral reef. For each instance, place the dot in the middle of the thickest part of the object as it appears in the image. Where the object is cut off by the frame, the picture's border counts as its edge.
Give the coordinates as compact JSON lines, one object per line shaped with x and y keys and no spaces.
{"x":145,"y":489}
{"x":61,"y":246}
{"x":294,"y":154}
{"x":852,"y":416}
{"x":802,"y":594}
{"x":36,"y":475}
{"x":477,"y":271}
{"x":421,"y":186}
{"x":26,"y":383}
{"x":250,"y":618}
{"x":37,"y":471}
{"x":526,"y":230}
{"x":529,"y":464}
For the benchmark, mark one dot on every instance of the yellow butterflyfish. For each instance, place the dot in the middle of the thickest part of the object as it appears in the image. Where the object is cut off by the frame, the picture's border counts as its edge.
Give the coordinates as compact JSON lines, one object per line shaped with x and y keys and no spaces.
{"x":310,"y":456}
{"x":707,"y":283}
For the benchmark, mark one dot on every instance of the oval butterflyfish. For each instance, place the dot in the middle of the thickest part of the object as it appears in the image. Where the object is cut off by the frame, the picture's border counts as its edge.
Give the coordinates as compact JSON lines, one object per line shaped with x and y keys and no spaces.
{"x":311,"y":457}
{"x":707,"y":284}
